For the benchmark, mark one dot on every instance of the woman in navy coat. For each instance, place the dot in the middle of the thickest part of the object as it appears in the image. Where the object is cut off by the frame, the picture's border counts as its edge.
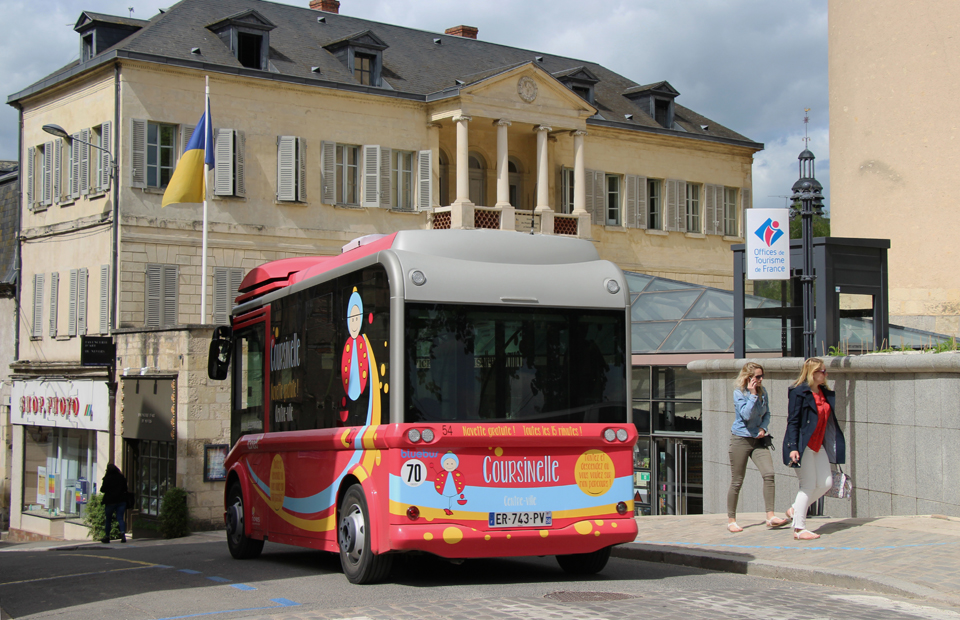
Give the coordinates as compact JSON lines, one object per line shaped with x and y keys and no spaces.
{"x":813,"y":440}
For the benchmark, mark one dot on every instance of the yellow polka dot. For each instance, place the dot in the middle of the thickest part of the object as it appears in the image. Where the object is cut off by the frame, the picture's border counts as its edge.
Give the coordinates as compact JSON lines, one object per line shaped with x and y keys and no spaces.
{"x":613,"y":525}
{"x":452,"y":535}
{"x":364,"y":374}
{"x":498,"y":451}
{"x":596,"y":533}
{"x":348,"y":347}
{"x":487,"y":537}
{"x":599,"y":521}
{"x":428,"y":536}
{"x":509,"y":536}
{"x":583,"y":527}
{"x":383,"y":369}
{"x":386,"y":388}
{"x":544,"y":533}
{"x":384,"y":343}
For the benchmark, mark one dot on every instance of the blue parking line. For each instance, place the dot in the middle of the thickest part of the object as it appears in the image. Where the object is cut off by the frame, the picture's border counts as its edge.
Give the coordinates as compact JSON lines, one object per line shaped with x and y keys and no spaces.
{"x":242,"y":586}
{"x":220,"y":579}
{"x":281,"y":602}
{"x":189,"y":572}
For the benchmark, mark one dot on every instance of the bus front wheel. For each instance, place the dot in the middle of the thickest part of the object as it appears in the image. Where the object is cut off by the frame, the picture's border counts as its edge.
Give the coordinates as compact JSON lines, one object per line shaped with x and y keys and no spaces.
{"x":360,"y":564}
{"x":585,"y":563}
{"x":241,"y":546}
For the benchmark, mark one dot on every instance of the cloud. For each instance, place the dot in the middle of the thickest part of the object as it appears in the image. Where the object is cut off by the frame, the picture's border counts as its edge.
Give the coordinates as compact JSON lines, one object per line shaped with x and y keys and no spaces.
{"x":776,"y":168}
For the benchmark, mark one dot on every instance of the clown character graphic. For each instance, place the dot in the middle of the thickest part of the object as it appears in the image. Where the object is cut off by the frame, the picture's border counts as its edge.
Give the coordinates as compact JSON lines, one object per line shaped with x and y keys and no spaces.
{"x":356,"y":358}
{"x":449,"y":482}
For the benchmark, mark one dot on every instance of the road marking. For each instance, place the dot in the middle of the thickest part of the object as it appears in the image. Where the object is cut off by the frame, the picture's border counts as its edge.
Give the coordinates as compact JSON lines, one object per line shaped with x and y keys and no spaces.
{"x":188,"y":571}
{"x":281,"y":602}
{"x":220,"y":579}
{"x":242,"y":586}
{"x":97,"y":572}
{"x":109,"y":557}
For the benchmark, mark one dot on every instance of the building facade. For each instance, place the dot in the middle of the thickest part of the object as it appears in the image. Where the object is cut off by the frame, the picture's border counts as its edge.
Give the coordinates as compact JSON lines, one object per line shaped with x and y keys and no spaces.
{"x":891,"y":154}
{"x":327,"y":128}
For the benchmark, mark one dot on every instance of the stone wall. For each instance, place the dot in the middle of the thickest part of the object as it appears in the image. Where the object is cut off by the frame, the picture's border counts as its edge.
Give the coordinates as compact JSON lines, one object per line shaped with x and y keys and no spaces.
{"x":900,"y":414}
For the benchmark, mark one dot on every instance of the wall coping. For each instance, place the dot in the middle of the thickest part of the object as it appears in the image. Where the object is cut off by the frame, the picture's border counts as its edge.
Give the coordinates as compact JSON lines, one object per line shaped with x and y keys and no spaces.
{"x":948,"y":362}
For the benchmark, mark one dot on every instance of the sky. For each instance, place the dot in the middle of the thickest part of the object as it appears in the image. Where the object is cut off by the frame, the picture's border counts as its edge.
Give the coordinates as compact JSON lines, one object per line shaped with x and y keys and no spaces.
{"x":751,"y":65}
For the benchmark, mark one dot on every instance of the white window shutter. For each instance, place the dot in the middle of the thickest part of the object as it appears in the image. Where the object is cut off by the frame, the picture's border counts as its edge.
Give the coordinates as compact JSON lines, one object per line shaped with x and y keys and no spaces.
{"x":170,"y":290}
{"x":54,"y":300}
{"x":710,"y":209}
{"x":328,"y":172}
{"x":425,"y":179}
{"x":386,"y":196}
{"x":82,"y":301}
{"x":631,"y":200}
{"x":673,"y":204}
{"x":154,"y":293}
{"x":185,"y":132}
{"x":236,"y":278}
{"x":85,"y":163}
{"x":223,"y":168}
{"x":106,"y":137}
{"x":682,"y":211}
{"x":302,"y":169}
{"x":286,"y":175}
{"x":138,"y":152}
{"x":745,"y":203}
{"x":588,"y":193}
{"x":72,"y":315}
{"x":75,"y":167}
{"x":220,"y":292}
{"x":104,"y":299}
{"x":239,"y":152}
{"x":371,"y":176}
{"x":642,"y":218}
{"x":37,"y":331}
{"x":31,"y":157}
{"x":57,"y":169}
{"x":48,"y":173}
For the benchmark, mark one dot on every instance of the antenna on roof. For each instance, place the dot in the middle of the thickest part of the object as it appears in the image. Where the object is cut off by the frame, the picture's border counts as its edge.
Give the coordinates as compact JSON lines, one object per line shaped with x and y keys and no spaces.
{"x":130,"y":8}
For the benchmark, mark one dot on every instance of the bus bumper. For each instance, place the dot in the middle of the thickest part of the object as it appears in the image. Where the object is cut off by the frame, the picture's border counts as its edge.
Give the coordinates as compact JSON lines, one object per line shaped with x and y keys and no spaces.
{"x":457,"y":541}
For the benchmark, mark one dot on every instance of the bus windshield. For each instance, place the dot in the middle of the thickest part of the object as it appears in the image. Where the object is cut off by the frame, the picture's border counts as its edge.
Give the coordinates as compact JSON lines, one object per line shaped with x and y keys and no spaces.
{"x":521,"y":364}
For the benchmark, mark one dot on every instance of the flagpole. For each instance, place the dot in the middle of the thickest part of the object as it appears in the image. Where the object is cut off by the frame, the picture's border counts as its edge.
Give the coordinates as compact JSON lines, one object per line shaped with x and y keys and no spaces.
{"x":203,"y":258}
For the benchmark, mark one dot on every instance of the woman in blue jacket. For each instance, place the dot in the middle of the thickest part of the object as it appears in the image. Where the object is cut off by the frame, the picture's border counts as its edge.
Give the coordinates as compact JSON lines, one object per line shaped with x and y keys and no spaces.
{"x":749,"y":440}
{"x":813,"y":440}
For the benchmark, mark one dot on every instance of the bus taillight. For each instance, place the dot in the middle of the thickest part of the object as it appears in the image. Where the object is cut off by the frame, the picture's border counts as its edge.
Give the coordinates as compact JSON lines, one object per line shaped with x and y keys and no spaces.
{"x":415,"y":435}
{"x":619,"y":434}
{"x":621,"y":508}
{"x":413,"y":513}
{"x":427,"y":435}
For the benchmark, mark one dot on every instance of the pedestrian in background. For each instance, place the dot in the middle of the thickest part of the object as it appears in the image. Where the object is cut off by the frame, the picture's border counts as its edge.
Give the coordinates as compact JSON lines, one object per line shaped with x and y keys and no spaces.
{"x":813,"y":440}
{"x":750,"y":439}
{"x":114,"y":489}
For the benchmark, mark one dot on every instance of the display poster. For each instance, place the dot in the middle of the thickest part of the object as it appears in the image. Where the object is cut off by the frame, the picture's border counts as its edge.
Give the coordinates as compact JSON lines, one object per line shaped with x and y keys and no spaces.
{"x":213,"y":459}
{"x":768,"y":244}
{"x":65,"y":404}
{"x":42,"y":486}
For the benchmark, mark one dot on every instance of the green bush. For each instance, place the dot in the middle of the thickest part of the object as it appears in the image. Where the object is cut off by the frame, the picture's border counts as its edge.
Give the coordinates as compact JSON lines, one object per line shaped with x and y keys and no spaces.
{"x":173,"y":514}
{"x":94,"y":517}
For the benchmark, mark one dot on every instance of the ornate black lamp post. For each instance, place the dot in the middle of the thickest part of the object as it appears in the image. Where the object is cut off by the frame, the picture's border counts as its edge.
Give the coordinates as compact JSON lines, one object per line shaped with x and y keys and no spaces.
{"x":809,"y":193}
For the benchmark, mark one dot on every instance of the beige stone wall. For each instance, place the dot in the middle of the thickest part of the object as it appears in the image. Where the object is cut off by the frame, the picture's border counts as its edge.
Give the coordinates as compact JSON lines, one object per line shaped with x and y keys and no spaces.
{"x":203,"y":408}
{"x":894,"y":148}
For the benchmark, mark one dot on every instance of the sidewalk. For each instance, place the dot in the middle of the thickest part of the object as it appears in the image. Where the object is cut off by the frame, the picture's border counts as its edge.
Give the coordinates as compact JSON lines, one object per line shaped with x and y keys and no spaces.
{"x":917,"y":556}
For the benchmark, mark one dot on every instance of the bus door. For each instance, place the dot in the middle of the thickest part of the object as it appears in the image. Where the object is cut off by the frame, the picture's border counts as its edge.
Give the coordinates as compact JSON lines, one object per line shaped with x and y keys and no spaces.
{"x":250,"y":399}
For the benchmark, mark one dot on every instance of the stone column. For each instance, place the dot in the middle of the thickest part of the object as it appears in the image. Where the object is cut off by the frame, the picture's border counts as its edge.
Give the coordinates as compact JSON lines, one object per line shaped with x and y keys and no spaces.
{"x":503,"y":168}
{"x":433,"y":140}
{"x":463,"y":160}
{"x":543,"y":168}
{"x":580,"y":186}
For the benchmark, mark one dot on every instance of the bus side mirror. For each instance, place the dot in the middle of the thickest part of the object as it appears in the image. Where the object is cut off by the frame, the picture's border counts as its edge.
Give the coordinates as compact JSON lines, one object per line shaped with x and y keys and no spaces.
{"x":221,"y":346}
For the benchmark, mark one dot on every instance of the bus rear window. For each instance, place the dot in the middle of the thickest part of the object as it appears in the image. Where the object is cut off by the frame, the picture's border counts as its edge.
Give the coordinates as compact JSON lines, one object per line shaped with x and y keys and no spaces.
{"x":475,"y":363}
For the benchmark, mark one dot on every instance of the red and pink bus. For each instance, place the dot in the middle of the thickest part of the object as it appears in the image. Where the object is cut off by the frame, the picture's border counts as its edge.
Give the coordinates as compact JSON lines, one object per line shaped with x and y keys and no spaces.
{"x":463,"y":393}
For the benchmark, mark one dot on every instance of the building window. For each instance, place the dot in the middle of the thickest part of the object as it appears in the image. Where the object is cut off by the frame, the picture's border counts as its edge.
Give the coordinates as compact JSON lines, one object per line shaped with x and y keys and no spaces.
{"x":77,"y":315}
{"x":226,"y":285}
{"x":730,"y":212}
{"x":161,"y":295}
{"x":655,"y":202}
{"x":291,"y":169}
{"x":230,"y":155}
{"x":161,"y":153}
{"x":693,"y":207}
{"x":401,"y":180}
{"x":613,"y":200}
{"x":348,"y":174}
{"x":582,"y":91}
{"x":37,"y":330}
{"x":661,"y":112}
{"x":566,"y":196}
{"x":154,"y":471}
{"x":58,"y":466}
{"x":87,"y":50}
{"x":364,"y":66}
{"x":249,"y":49}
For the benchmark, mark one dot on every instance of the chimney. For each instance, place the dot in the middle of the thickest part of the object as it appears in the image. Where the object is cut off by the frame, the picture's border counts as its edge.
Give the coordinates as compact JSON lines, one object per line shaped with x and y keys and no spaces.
{"x":330,"y":6}
{"x":467,"y":32}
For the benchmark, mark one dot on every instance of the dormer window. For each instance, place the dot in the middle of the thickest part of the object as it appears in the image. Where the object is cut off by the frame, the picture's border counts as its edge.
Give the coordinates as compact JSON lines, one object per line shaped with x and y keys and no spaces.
{"x":87,"y":49}
{"x":362,"y":54}
{"x":99,"y":32}
{"x":580,"y":80}
{"x":247,"y":35}
{"x":661,"y":112}
{"x":657,"y":101}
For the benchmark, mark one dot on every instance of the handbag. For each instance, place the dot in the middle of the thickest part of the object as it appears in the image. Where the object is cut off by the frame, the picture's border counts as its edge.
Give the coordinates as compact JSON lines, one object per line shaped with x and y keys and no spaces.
{"x":842,"y":485}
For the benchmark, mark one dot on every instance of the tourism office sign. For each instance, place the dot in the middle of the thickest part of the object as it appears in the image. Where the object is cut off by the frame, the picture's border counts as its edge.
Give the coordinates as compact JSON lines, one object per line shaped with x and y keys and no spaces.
{"x":768,"y":244}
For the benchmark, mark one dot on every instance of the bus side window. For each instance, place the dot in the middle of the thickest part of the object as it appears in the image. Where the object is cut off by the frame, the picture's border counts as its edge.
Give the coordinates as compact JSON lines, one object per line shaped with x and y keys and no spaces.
{"x":248,"y":381}
{"x":322,"y":391}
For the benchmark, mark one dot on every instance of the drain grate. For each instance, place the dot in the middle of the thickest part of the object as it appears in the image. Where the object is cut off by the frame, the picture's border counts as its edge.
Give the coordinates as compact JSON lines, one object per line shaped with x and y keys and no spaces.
{"x":587,"y":597}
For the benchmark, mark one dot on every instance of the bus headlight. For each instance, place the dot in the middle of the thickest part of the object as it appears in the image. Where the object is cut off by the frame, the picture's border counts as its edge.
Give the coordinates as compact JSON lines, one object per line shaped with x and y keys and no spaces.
{"x":418,"y":278}
{"x":413,"y":435}
{"x":613,"y":287}
{"x":621,"y":434}
{"x":609,"y":434}
{"x":427,"y":435}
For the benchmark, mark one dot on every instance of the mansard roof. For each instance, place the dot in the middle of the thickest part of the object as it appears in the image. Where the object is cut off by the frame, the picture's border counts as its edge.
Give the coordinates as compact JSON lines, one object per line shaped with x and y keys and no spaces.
{"x":417,"y":64}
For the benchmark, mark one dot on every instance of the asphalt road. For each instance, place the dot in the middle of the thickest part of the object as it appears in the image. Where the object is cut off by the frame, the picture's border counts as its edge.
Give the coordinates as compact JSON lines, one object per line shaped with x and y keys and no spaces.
{"x":196,"y":577}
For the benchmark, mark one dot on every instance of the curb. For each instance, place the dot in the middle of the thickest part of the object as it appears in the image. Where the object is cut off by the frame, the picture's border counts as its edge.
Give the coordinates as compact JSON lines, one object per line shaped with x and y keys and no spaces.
{"x":720,"y":562}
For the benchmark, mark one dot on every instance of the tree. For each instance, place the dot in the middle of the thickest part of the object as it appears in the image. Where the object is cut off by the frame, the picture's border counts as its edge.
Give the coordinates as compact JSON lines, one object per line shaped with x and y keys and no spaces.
{"x":821,"y":227}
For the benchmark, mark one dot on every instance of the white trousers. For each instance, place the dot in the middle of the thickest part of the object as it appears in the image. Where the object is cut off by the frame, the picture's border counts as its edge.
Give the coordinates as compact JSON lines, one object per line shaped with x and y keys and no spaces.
{"x":816,"y":478}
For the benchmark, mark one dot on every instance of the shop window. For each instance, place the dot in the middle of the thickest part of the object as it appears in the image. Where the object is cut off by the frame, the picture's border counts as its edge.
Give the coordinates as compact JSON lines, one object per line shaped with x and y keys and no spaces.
{"x":59,"y":465}
{"x":151,"y":470}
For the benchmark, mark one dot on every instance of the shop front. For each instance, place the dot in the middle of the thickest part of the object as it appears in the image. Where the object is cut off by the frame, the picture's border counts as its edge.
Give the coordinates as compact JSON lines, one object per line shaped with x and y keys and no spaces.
{"x":61,"y":434}
{"x":148,"y":414}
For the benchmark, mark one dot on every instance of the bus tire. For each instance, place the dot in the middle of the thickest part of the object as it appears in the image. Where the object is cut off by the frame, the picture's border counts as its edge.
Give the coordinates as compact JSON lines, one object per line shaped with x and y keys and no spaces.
{"x":360,"y":564}
{"x":585,"y":563}
{"x":241,"y":546}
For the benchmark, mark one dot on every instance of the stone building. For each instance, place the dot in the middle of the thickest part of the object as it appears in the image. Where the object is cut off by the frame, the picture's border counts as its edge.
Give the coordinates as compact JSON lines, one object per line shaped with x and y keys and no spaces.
{"x":327,"y":127}
{"x":9,"y":209}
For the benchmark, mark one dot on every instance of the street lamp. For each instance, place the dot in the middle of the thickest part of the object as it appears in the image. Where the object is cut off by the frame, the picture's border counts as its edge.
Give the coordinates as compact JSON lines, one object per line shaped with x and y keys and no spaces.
{"x":809,"y":193}
{"x":60,"y":132}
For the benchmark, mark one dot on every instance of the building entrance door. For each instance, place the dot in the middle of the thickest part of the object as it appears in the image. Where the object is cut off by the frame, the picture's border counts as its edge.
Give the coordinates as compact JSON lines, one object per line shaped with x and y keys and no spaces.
{"x":679,"y":476}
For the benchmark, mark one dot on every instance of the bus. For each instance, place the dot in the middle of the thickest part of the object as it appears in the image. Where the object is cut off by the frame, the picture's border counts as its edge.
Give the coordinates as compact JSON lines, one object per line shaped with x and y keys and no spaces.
{"x":462,"y":393}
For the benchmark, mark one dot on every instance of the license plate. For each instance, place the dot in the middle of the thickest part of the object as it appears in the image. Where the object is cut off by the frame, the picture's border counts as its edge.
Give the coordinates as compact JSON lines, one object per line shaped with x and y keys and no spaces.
{"x":521,"y":519}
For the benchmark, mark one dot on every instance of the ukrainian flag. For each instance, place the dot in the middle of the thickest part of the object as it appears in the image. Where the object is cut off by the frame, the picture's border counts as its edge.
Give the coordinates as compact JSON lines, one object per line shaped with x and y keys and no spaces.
{"x":188,"y":183}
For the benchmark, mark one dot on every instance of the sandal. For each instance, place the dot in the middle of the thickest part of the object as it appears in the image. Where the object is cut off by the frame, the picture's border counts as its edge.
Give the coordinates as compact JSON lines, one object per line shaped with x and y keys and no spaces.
{"x":777,"y":522}
{"x":733,"y":528}
{"x":805,"y":535}
{"x":789,"y":512}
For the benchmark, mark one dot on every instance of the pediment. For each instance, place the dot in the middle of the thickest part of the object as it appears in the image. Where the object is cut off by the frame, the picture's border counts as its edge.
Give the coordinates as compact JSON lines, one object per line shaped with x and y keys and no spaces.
{"x":663,"y":89}
{"x":577,"y":74}
{"x":249,"y":18}
{"x":366,"y":38}
{"x":526,"y":84}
